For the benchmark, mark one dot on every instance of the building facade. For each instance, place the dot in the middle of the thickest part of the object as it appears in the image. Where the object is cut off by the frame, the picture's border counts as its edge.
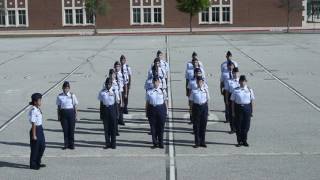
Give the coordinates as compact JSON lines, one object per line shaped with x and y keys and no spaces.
{"x":126,"y":14}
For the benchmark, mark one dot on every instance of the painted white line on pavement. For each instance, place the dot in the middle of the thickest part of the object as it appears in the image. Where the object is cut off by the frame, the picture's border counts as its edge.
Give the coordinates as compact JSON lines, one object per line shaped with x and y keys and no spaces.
{"x":172,"y":165}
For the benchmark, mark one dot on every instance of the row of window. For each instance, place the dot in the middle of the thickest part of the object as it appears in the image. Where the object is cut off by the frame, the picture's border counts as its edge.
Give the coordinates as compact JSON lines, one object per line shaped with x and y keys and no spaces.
{"x":140,"y":15}
{"x":14,"y":15}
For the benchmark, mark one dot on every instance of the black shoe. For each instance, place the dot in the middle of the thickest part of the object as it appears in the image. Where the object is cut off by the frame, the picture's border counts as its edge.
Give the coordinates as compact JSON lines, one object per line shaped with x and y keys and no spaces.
{"x":72,"y":147}
{"x":149,"y":133}
{"x":231,"y":132}
{"x":43,"y":165}
{"x":239,"y":144}
{"x":113,"y":147}
{"x":161,"y":146}
{"x":106,"y":147}
{"x":190,"y":123}
{"x":154,"y":146}
{"x":117,"y":134}
{"x":122,"y":123}
{"x":245,"y":144}
{"x":203,"y":145}
{"x":64,"y":148}
{"x":195,"y":146}
{"x":35,"y":168}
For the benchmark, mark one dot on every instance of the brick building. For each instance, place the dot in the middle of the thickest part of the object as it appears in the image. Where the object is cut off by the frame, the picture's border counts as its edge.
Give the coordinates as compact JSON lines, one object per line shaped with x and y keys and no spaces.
{"x":126,"y":14}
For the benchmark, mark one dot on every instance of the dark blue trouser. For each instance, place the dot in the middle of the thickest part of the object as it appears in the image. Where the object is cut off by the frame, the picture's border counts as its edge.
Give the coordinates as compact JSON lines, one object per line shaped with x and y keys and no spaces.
{"x":68,"y":120}
{"x":158,"y":115}
{"x":226,"y":112}
{"x":110,"y":125}
{"x":243,"y":118}
{"x":37,"y":147}
{"x":231,"y":119}
{"x":200,"y":117}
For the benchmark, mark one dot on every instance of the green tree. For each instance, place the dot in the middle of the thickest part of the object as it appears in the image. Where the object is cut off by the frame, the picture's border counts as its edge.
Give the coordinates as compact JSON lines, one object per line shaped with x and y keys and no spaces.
{"x":94,"y":8}
{"x":290,"y":6}
{"x":192,"y":7}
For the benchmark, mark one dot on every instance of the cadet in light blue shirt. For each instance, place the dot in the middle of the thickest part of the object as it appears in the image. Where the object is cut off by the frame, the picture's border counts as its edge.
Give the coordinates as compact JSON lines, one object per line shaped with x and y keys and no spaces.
{"x":109,"y":96}
{"x":156,"y":108}
{"x":242,"y":110}
{"x":200,"y":98}
{"x":37,"y":139}
{"x":67,"y":114}
{"x":229,"y":87}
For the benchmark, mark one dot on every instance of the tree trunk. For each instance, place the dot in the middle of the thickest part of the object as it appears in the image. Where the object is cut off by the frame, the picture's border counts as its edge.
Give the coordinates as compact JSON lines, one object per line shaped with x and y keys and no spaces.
{"x":190,"y":23}
{"x":288,"y":16}
{"x":95,"y":25}
{"x":288,"y":22}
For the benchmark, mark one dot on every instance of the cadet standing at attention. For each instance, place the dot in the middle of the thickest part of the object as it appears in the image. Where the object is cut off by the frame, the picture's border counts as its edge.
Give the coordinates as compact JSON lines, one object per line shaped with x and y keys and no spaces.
{"x":120,"y":83}
{"x":242,"y":110}
{"x":37,"y":139}
{"x":164,"y":64}
{"x":200,"y":98}
{"x":190,"y":75}
{"x":67,"y":114}
{"x":126,"y":73}
{"x":229,"y":86}
{"x":156,"y":102}
{"x":109,"y":97}
{"x":192,"y":84}
{"x":226,"y":74}
{"x":157,"y":71}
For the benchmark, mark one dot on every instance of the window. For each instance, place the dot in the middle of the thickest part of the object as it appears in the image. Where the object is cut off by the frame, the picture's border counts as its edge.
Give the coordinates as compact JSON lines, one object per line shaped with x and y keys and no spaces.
{"x":215,"y":14}
{"x":313,"y":11}
{"x":2,"y":18}
{"x":14,"y":13}
{"x":147,"y":15}
{"x":74,"y":13}
{"x":205,"y":15}
{"x":136,"y":15}
{"x":144,"y":12}
{"x":22,"y":17}
{"x":220,"y":12}
{"x":157,"y":15}
{"x":12,"y":17}
{"x":69,"y":17}
{"x":79,"y":16}
{"x":89,"y":18}
{"x":226,"y":14}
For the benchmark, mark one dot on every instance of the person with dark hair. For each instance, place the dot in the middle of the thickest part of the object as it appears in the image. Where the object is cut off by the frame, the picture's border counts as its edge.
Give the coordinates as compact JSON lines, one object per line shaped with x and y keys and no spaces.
{"x":156,"y":70}
{"x":192,"y":84}
{"x":37,"y":139}
{"x":229,"y":87}
{"x":109,"y":97}
{"x":189,"y":63}
{"x":224,"y":79}
{"x":200,"y":98}
{"x":164,"y":64}
{"x":126,"y":73}
{"x":116,"y":85}
{"x":120,"y":84}
{"x":156,"y":106}
{"x":67,"y":114}
{"x":242,"y":110}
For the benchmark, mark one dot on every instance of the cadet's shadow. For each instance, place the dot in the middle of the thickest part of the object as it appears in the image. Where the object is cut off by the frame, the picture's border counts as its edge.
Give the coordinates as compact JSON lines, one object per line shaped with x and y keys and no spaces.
{"x":77,"y":131}
{"x":189,"y":143}
{"x":48,"y":144}
{"x":187,"y":120}
{"x":120,"y":142}
{"x":13,"y":165}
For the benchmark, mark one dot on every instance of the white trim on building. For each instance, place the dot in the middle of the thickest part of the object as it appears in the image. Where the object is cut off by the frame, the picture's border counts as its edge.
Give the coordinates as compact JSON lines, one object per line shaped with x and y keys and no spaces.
{"x":138,"y":13}
{"x":19,"y":15}
{"x":78,"y":15}
{"x":217,"y":13}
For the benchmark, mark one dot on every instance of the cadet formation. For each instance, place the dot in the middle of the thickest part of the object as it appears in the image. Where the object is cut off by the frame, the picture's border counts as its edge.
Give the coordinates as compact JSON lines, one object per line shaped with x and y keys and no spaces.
{"x":114,"y":97}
